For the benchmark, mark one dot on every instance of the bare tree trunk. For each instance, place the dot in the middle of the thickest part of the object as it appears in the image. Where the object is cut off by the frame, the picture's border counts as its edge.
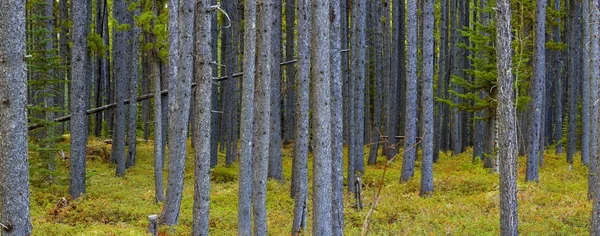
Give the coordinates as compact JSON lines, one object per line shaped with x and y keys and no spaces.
{"x":246,"y":124}
{"x":159,"y":150}
{"x":359,"y":15}
{"x":202,"y":138}
{"x":180,"y":80}
{"x":14,"y":170}
{"x":301,"y":125}
{"x":538,"y":85}
{"x":427,"y":99}
{"x":275,"y":161}
{"x":263,"y":114}
{"x":321,"y":121}
{"x":133,"y":87}
{"x":337,"y":145}
{"x":288,"y":128}
{"x":122,"y":62}
{"x":506,"y":121}
{"x":80,"y":93}
{"x":408,"y":162}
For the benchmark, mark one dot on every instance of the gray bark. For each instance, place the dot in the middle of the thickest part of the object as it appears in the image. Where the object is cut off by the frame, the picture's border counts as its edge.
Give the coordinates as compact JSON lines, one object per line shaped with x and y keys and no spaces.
{"x":301,"y":125}
{"x":275,"y":161}
{"x":14,"y":169}
{"x":358,"y":49}
{"x":122,"y":66}
{"x":378,"y":51}
{"x":506,"y":122}
{"x":454,"y":52}
{"x":180,"y":80}
{"x":440,"y":135}
{"x":321,"y":121}
{"x":214,"y":119}
{"x":246,"y":124}
{"x":427,"y":99}
{"x":262,"y":116}
{"x":585,"y":86}
{"x":595,"y":161}
{"x":202,"y":112}
{"x":538,"y":86}
{"x":574,"y":54}
{"x":288,"y":119}
{"x":80,"y":93}
{"x":410,"y":133}
{"x":133,"y":88}
{"x":595,"y":83}
{"x":159,"y":150}
{"x":337,"y":145}
{"x":397,"y":75}
{"x":558,"y":78}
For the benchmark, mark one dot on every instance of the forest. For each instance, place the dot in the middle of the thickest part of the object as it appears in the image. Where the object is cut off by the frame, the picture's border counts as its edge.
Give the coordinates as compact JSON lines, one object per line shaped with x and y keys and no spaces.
{"x":299,"y":117}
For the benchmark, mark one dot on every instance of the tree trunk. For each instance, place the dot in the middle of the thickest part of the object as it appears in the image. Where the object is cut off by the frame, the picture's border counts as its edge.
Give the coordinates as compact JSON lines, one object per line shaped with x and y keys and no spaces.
{"x":275,"y":161}
{"x":246,"y":124}
{"x":573,"y":79}
{"x":359,"y":74}
{"x":595,"y":161}
{"x":133,"y":88}
{"x":337,"y":145}
{"x":80,"y":93}
{"x":288,"y":119}
{"x":262,"y":118}
{"x":321,"y":121}
{"x":410,"y":134}
{"x":585,"y":86}
{"x":301,"y":125}
{"x":159,"y":150}
{"x":427,"y":99}
{"x":506,"y":121}
{"x":14,"y":197}
{"x":538,"y":87}
{"x":203,"y":79}
{"x":214,"y":119}
{"x":377,"y":53}
{"x":558,"y":80}
{"x":180,"y":80}
{"x":122,"y":66}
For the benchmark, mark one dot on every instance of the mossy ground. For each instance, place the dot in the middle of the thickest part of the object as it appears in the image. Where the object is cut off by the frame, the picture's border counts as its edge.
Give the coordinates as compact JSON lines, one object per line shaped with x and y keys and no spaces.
{"x":465,"y":201}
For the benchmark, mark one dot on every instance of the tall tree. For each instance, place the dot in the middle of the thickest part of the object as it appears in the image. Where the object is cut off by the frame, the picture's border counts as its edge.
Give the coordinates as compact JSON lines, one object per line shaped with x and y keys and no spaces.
{"x":262,"y":107}
{"x":559,"y":81}
{"x":180,"y":62}
{"x":595,"y":74}
{"x":246,"y":124}
{"x":359,"y":17}
{"x":377,"y":53}
{"x":122,"y":67}
{"x":397,"y":78}
{"x":585,"y":85}
{"x":337,"y":145}
{"x":288,"y":126}
{"x":134,"y":49}
{"x":538,"y":87}
{"x":300,"y":158}
{"x":427,"y":99}
{"x":321,"y":121}
{"x":159,"y":150}
{"x":80,"y":93}
{"x":203,"y":69}
{"x":410,"y":133}
{"x":441,"y":119}
{"x":275,"y":161}
{"x":507,"y":124}
{"x":574,"y":61}
{"x":14,"y":169}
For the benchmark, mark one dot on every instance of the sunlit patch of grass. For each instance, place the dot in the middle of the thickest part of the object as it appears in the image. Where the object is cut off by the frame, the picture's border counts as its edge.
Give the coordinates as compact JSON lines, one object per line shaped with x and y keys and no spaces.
{"x":465,"y":201}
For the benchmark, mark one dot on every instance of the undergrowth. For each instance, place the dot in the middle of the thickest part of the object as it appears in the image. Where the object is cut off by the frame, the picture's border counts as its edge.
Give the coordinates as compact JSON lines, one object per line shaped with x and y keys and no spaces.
{"x":465,"y":201}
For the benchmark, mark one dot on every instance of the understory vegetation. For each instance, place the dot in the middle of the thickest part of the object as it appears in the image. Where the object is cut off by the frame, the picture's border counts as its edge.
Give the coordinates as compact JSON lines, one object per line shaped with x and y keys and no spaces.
{"x":465,"y":202}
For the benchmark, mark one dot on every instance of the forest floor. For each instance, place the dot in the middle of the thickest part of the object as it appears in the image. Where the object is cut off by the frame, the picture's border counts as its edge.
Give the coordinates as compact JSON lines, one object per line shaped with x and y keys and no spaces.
{"x":465,"y":202}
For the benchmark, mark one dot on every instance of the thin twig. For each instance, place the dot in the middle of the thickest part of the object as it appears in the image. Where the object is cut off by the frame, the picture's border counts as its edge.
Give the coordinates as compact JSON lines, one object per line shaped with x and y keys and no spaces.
{"x":365,"y":227}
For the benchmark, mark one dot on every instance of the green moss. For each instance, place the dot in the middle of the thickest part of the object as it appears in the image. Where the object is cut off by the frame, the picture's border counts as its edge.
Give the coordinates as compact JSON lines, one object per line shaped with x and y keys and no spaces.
{"x":465,"y":201}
